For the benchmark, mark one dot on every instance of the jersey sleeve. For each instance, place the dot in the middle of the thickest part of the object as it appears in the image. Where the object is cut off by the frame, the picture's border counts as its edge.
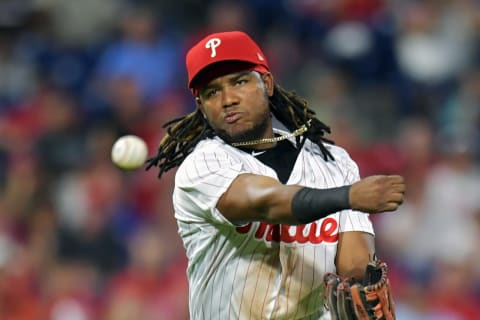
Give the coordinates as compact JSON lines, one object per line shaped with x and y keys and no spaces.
{"x":200,"y":181}
{"x":351,"y":220}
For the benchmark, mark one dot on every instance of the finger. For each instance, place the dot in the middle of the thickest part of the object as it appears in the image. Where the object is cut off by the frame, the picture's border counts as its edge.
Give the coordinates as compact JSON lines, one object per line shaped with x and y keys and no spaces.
{"x":396,"y":179}
{"x":396,"y":197}
{"x":397,"y":188}
{"x":391,"y":206}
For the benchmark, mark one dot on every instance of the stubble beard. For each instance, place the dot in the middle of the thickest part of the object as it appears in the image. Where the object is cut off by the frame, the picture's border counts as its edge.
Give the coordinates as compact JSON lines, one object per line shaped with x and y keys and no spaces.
{"x":257,"y":131}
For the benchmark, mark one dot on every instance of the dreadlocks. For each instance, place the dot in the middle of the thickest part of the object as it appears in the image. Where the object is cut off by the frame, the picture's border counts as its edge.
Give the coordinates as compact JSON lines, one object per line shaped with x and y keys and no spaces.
{"x":185,"y":132}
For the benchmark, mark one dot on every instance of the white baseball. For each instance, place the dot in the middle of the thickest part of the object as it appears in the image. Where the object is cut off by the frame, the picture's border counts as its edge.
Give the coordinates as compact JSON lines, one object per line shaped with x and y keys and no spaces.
{"x":129,"y":152}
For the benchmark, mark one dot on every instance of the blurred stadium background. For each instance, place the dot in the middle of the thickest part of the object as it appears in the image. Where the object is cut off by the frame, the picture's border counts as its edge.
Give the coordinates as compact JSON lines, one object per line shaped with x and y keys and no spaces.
{"x":398,"y":81}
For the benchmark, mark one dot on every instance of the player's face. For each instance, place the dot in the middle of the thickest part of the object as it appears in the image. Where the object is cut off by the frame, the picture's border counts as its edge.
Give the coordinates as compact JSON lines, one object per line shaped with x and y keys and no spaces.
{"x":236,"y":105}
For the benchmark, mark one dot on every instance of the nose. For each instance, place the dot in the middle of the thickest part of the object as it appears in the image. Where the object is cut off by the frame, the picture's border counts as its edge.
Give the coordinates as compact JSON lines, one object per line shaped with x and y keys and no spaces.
{"x":229,"y":97}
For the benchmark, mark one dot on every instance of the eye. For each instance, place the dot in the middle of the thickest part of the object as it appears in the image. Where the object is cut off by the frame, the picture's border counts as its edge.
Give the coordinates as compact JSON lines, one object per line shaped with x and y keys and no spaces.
{"x":211,"y":92}
{"x":241,"y":81}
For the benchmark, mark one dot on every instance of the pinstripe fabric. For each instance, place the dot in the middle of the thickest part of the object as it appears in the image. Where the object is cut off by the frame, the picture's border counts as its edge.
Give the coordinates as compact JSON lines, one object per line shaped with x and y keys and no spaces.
{"x":259,"y":270}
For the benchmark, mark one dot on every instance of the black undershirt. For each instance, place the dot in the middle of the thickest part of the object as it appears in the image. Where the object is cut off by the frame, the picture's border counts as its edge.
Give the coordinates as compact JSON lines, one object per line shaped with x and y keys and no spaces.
{"x":280,"y":158}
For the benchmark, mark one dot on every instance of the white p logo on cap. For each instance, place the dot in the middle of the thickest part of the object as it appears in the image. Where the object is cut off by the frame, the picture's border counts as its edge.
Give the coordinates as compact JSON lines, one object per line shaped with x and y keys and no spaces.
{"x":213,"y":44}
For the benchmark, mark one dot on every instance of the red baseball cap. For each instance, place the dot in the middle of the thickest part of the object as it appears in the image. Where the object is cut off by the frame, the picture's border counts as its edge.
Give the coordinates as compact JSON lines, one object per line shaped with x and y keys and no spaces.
{"x":220,"y":54}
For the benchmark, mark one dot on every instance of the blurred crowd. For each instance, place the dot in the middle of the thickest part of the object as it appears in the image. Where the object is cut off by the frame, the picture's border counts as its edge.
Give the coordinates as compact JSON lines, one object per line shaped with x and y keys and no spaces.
{"x":398,"y":82}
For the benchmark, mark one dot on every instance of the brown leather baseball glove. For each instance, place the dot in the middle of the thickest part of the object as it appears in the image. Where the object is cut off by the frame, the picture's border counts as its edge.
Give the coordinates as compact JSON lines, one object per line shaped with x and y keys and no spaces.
{"x":369,"y":300}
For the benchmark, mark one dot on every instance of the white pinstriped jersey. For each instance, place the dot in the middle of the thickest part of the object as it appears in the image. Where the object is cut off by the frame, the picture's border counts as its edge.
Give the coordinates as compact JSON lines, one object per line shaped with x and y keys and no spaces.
{"x":258,"y":270}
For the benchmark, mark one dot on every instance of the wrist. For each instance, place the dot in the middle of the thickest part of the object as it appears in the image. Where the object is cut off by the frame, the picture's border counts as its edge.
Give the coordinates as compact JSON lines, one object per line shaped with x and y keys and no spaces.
{"x":309,"y":204}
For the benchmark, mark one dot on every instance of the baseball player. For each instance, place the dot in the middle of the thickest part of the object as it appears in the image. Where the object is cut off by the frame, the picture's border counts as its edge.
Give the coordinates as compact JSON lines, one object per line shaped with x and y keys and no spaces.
{"x":265,"y":214}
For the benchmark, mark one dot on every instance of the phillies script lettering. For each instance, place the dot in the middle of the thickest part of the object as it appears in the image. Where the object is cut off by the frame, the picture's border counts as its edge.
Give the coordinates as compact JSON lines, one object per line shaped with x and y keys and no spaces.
{"x":313,"y":233}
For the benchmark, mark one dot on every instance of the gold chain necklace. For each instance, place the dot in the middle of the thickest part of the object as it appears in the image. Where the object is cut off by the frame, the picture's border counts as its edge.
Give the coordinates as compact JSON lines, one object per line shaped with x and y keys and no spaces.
{"x":295,"y":133}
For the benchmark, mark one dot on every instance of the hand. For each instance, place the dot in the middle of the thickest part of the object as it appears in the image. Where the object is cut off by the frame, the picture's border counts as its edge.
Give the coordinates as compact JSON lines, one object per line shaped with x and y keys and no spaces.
{"x":377,"y":194}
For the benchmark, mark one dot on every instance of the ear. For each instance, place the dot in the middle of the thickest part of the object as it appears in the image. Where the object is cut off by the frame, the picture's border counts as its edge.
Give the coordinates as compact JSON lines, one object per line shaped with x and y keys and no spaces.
{"x":199,"y":104}
{"x":269,"y":83}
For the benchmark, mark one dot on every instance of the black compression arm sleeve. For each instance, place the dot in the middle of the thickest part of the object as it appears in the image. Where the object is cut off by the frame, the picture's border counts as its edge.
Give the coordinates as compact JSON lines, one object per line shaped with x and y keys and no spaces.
{"x":310,"y":204}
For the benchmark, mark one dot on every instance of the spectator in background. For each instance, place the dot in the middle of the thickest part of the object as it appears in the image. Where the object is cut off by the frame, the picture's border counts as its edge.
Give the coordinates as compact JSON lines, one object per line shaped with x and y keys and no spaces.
{"x":434,"y":42}
{"x":451,"y":205}
{"x":19,"y":79}
{"x":461,"y":112}
{"x":81,"y":23}
{"x":145,"y":56}
{"x":60,"y":145}
{"x":153,"y":285}
{"x":433,"y":46}
{"x":414,"y":151}
{"x":137,"y":76}
{"x":86,"y":232}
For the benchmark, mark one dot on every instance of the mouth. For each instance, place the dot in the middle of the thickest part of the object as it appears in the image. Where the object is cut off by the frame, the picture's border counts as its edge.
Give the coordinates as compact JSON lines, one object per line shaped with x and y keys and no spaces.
{"x":232,"y":117}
